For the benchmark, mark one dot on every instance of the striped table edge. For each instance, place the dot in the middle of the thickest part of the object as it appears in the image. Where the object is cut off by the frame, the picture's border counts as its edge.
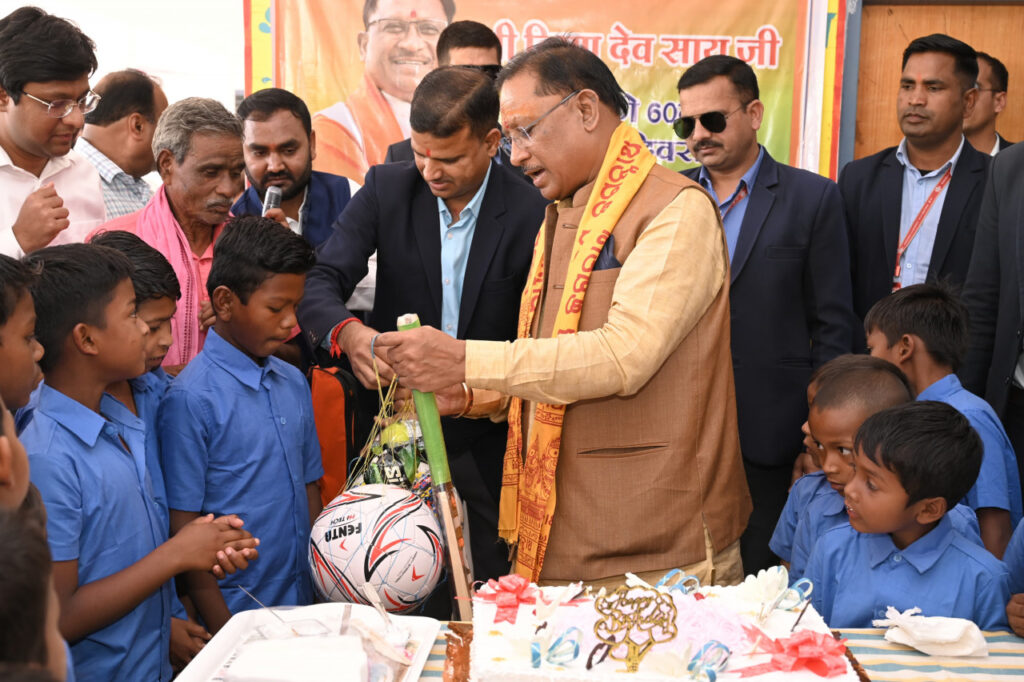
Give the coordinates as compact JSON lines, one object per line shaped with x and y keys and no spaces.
{"x":882,"y":660}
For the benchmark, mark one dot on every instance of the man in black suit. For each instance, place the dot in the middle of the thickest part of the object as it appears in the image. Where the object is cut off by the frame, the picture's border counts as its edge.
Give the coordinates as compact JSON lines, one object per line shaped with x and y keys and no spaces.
{"x":932,"y":180}
{"x":454,"y":236}
{"x":980,"y":127}
{"x":790,"y":281}
{"x":469,"y":44}
{"x":993,"y":295}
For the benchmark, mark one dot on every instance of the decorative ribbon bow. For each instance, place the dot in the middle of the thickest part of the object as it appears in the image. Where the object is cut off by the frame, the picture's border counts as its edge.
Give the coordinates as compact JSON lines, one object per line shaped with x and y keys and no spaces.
{"x":508,"y":592}
{"x":709,"y":661}
{"x":687,"y":584}
{"x":816,"y":652}
{"x":789,"y":598}
{"x":562,"y":651}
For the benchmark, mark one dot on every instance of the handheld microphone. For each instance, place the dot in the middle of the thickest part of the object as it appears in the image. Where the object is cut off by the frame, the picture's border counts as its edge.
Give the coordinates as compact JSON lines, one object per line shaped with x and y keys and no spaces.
{"x":272,"y":199}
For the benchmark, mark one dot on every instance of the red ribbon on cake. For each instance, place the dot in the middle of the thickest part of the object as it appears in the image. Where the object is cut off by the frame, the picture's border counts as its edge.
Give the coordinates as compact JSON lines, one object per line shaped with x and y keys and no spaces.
{"x":508,"y":592}
{"x":815,"y":652}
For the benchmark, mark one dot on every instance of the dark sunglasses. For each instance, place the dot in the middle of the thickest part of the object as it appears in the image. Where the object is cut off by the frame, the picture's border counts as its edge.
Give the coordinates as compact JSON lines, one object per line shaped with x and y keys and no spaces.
{"x":712,"y":121}
{"x":490,"y":69}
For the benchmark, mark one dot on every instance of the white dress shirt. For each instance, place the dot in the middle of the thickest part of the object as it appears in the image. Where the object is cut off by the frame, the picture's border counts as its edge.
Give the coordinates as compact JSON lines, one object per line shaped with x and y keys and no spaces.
{"x":76,"y":182}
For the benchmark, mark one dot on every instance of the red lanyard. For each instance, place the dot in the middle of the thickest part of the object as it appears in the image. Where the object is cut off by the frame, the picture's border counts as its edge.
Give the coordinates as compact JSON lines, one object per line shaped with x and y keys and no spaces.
{"x":739,"y":196}
{"x":916,"y":225}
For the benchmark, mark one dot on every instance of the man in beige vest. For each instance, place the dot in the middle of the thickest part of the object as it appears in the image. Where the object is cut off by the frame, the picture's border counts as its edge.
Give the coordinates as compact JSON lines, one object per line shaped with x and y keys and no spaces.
{"x":623,"y":447}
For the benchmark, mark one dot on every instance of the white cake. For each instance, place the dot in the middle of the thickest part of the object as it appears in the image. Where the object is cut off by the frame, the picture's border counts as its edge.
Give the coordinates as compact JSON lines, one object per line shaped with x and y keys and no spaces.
{"x":541,"y":643}
{"x":300,"y":659}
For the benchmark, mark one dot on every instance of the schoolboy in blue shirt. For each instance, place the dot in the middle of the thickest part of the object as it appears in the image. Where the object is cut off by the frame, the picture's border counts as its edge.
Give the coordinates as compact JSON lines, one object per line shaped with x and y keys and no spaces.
{"x":812,"y":485}
{"x":236,"y":426}
{"x":112,"y":560}
{"x":913,"y":462}
{"x":922,"y":329}
{"x":852,"y":388}
{"x":1014,"y":560}
{"x":135,"y":403}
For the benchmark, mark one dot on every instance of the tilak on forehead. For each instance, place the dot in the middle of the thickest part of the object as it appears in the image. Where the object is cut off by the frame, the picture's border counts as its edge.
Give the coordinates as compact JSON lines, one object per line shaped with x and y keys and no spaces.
{"x":427,"y":153}
{"x":412,"y":15}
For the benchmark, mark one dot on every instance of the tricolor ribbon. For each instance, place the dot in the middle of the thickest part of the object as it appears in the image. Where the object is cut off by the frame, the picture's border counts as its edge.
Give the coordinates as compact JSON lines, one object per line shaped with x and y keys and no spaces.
{"x":710,"y":660}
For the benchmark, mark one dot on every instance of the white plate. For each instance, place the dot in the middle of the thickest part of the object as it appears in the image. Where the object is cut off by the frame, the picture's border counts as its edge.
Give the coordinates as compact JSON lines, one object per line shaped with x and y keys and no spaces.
{"x":215,"y":658}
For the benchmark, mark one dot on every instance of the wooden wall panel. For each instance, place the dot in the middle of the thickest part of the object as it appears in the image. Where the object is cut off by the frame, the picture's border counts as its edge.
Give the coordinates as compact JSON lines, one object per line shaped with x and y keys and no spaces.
{"x":887,"y":29}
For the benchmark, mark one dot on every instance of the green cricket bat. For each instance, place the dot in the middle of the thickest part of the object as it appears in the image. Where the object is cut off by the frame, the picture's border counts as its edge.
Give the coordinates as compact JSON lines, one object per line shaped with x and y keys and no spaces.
{"x":444,"y":492}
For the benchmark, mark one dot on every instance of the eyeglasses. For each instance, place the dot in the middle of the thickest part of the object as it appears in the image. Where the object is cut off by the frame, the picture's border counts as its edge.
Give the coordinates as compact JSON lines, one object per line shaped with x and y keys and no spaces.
{"x":712,"y":121}
{"x":426,"y":28}
{"x":521,"y":136}
{"x":59,"y":108}
{"x":491,"y":70}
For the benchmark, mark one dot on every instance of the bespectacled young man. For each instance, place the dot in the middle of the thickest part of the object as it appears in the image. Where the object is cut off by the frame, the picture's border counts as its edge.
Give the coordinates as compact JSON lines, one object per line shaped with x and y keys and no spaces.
{"x":49,"y":194}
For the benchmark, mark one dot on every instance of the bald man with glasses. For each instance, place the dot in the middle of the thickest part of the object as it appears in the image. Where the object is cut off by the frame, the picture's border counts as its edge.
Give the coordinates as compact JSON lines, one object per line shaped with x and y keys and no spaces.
{"x":790,"y":289}
{"x":49,"y":194}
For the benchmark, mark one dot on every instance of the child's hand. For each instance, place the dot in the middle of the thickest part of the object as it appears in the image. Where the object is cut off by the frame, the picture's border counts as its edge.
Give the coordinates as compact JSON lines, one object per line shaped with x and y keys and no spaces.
{"x":1015,"y":614}
{"x":187,"y":640}
{"x":239,"y":554}
{"x":199,"y":541}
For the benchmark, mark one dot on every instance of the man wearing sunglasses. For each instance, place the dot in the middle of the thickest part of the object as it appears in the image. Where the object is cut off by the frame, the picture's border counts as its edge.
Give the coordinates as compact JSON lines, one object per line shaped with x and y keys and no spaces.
{"x":468,"y":44}
{"x":620,"y":378}
{"x":789,"y":278}
{"x":48,"y":192}
{"x":397,"y":49}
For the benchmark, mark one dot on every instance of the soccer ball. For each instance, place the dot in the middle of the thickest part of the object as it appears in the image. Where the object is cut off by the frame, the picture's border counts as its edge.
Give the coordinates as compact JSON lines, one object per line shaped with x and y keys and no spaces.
{"x":378,"y":534}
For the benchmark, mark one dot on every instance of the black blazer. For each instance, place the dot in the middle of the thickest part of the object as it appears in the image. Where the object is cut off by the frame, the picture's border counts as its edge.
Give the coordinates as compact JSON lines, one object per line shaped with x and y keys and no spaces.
{"x":396,"y":215}
{"x":872,"y":190}
{"x":790,"y":304}
{"x":994,"y":291}
{"x":402,"y":151}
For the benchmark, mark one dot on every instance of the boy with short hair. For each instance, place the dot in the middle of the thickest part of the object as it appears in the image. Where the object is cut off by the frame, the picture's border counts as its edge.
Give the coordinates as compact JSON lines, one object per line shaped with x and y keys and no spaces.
{"x":112,"y":559}
{"x":922,"y":329}
{"x":236,"y":426}
{"x":19,"y":350}
{"x":900,"y":548}
{"x":29,"y":610}
{"x":852,"y":388}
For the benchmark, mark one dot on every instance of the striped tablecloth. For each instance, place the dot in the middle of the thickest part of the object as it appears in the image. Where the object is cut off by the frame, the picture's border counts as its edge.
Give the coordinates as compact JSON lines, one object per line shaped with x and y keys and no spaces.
{"x":882,"y":660}
{"x":885,"y":661}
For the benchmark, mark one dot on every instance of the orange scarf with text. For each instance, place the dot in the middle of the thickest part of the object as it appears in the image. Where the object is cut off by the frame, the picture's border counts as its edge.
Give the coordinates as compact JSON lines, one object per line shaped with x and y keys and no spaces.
{"x":528,"y":483}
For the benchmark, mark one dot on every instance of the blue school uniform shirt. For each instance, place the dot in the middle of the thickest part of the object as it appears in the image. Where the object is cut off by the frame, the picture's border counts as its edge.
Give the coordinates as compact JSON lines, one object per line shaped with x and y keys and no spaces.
{"x":805,"y":489}
{"x":857,"y":575}
{"x":148,"y":391}
{"x":238,"y":438}
{"x":1014,"y":560}
{"x":998,"y":484}
{"x":828,"y":510}
{"x":101,"y":512}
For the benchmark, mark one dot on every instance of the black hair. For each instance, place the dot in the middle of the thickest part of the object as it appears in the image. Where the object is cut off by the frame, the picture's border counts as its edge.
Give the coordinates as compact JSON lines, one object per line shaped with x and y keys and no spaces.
{"x":736,"y":70}
{"x":262,"y":104}
{"x":932,"y":312}
{"x":15,"y":280}
{"x":466,"y":34}
{"x":929,"y":445}
{"x":25,"y":569}
{"x":75,"y":283}
{"x":250,"y":250}
{"x":861,"y":380}
{"x":370,"y":6}
{"x":36,"y":47}
{"x":451,"y":98}
{"x":562,"y":67}
{"x":152,"y":274}
{"x":966,"y":59}
{"x":1000,"y":76}
{"x":123,"y":93}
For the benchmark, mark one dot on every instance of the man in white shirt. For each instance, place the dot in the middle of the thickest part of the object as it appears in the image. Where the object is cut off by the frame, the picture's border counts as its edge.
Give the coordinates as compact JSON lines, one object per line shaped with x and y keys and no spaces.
{"x":48,"y":193}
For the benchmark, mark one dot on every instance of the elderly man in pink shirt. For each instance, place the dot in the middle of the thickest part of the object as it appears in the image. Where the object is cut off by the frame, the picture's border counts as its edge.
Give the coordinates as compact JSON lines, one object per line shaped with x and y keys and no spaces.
{"x":198,"y":151}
